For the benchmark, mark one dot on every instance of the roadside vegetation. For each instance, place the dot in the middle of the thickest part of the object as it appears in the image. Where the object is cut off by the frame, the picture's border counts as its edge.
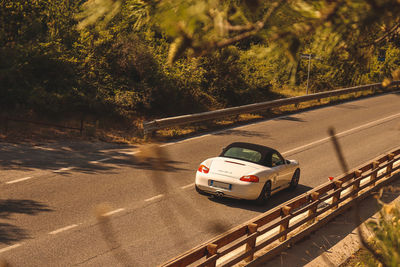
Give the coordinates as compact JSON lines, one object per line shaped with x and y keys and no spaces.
{"x":120,"y":62}
{"x":384,"y":248}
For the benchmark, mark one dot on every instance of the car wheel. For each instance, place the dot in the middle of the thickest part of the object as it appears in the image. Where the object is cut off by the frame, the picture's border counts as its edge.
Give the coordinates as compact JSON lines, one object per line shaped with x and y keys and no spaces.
{"x":295,"y":180}
{"x":265,"y":194}
{"x":201,"y":192}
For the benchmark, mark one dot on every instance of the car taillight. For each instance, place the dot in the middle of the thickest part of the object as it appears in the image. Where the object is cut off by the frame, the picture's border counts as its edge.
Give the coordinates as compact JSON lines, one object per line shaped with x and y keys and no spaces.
{"x":249,"y":178}
{"x":203,"y":169}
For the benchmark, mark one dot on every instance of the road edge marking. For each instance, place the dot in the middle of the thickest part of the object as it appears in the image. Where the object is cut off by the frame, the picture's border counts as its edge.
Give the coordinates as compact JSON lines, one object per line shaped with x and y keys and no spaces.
{"x":63,"y":229}
{"x":19,"y":180}
{"x":187,"y":186}
{"x":154,"y":198}
{"x":113,"y":212}
{"x":64,"y":169}
{"x":9,"y":248}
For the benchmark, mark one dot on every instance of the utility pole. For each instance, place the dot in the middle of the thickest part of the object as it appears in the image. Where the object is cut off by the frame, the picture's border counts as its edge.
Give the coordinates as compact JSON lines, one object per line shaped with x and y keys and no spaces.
{"x":309,"y":56}
{"x":308,"y":74}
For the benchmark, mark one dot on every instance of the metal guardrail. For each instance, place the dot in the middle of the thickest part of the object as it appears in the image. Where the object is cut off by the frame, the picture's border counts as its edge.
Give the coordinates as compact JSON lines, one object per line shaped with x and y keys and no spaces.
{"x":277,"y":229}
{"x":151,"y":126}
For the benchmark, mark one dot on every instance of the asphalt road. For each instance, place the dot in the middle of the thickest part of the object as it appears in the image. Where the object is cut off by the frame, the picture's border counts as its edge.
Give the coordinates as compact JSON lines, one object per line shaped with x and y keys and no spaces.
{"x":49,"y":193}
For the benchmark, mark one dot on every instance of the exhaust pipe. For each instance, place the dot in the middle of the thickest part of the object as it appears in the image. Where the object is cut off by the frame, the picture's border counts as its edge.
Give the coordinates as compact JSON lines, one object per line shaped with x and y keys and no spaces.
{"x":219,"y":194}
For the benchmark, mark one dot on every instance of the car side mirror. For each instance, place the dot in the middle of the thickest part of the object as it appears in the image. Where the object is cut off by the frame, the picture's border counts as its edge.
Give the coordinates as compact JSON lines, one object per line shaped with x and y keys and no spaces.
{"x":287,"y":161}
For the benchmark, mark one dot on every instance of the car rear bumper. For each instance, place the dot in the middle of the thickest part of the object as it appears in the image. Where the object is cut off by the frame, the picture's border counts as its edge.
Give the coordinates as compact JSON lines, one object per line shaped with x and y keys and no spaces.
{"x":238,"y":189}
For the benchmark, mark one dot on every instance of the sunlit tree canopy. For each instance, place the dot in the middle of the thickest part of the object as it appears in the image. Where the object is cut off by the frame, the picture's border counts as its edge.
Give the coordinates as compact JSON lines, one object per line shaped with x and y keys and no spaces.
{"x":125,"y":57}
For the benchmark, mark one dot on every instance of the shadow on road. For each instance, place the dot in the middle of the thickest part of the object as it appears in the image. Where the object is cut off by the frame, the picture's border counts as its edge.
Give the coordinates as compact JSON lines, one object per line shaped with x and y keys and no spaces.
{"x":275,"y":200}
{"x":23,"y":206}
{"x":10,"y":233}
{"x":350,"y":106}
{"x":82,"y":156}
{"x":242,"y":133}
{"x":56,"y":155}
{"x":291,"y":118}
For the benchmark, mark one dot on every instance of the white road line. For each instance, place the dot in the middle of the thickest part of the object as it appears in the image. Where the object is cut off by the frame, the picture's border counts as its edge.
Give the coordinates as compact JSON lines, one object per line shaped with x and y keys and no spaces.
{"x":106,"y":159}
{"x":19,"y":180}
{"x":154,"y":198}
{"x":197,"y":137}
{"x":101,"y":160}
{"x":343,"y":133}
{"x":168,"y":144}
{"x":9,"y":247}
{"x":98,"y":161}
{"x":64,"y":169}
{"x":63,"y":229}
{"x":191,"y":138}
{"x":187,"y":186}
{"x":132,"y":153}
{"x":45,"y":148}
{"x":113,"y":212}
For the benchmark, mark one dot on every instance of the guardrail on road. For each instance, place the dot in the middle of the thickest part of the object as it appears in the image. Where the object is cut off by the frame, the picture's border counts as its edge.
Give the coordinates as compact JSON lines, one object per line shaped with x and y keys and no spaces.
{"x":286,"y":224}
{"x":151,"y":126}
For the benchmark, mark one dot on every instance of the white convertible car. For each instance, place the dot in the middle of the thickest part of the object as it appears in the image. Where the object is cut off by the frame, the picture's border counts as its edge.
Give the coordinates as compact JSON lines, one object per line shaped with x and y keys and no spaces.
{"x":247,"y":171}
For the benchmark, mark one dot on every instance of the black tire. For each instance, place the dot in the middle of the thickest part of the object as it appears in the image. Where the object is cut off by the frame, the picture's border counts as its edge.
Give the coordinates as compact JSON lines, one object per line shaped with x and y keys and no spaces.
{"x":265,"y":194}
{"x":295,"y":180}
{"x":201,"y":192}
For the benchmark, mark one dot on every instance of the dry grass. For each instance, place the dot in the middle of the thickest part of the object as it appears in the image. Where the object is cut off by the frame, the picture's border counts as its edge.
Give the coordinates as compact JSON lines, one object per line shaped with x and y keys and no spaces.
{"x":289,"y":91}
{"x":358,"y":259}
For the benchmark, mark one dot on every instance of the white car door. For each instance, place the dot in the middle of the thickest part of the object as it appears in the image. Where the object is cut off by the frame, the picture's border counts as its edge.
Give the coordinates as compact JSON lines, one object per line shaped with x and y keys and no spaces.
{"x":282,"y":173}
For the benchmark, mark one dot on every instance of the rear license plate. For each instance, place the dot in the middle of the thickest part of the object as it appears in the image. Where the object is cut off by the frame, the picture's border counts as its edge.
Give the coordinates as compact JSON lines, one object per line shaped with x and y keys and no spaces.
{"x":220,"y":185}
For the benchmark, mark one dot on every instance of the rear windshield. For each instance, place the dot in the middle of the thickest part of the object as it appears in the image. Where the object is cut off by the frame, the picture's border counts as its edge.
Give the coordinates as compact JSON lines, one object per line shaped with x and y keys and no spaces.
{"x":243,"y":153}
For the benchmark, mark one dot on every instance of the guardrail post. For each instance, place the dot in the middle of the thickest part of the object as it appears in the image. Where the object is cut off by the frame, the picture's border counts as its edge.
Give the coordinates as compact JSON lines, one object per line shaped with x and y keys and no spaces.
{"x":149,"y":129}
{"x":148,"y":133}
{"x":211,"y":251}
{"x":314,"y":197}
{"x":390,"y":166}
{"x":356,"y":185}
{"x":285,"y":224}
{"x":252,"y":228}
{"x":336,"y":197}
{"x":375,"y":166}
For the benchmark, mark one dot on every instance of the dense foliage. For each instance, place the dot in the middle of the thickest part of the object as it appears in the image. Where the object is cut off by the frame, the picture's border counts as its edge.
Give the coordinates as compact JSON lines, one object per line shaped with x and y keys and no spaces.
{"x":384,"y":243}
{"x":151,"y":58}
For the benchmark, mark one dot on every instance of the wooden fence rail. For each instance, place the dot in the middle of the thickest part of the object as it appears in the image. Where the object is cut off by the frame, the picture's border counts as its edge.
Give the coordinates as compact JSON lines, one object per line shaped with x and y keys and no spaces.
{"x":274,"y":230}
{"x":150,"y":126}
